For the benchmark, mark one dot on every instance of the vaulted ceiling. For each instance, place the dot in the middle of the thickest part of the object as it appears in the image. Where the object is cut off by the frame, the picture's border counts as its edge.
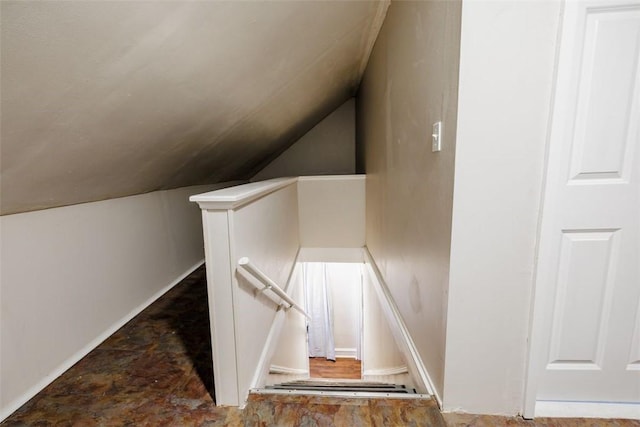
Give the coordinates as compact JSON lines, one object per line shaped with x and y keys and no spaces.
{"x":114,"y":98}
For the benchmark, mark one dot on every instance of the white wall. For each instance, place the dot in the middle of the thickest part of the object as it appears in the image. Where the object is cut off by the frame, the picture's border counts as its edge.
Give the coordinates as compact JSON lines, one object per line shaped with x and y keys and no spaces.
{"x":291,"y":351}
{"x":344,"y":280}
{"x":411,"y":82}
{"x":266,"y":231}
{"x":332,"y":211}
{"x":329,"y":148}
{"x":380,"y":352}
{"x":72,"y":275}
{"x":506,"y":74}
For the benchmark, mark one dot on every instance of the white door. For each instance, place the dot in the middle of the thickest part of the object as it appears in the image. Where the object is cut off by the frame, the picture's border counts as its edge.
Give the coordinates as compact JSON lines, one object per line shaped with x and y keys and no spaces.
{"x":586,"y":326}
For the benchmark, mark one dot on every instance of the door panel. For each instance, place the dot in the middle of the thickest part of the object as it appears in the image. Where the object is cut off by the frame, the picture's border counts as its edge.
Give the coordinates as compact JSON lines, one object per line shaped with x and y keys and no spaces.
{"x":604,"y":131}
{"x":583,"y":299}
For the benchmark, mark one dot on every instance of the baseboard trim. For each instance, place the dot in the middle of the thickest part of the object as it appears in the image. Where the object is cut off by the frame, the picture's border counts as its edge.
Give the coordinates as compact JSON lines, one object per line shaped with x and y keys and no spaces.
{"x":564,"y":409}
{"x":407,"y":347}
{"x":347,"y":353}
{"x":387,"y":371}
{"x":75,"y":358}
{"x":282,"y":370}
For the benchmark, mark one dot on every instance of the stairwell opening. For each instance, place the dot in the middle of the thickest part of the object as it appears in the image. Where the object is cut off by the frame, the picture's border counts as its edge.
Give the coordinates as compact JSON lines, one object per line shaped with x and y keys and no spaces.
{"x":257,"y":237}
{"x":346,"y":345}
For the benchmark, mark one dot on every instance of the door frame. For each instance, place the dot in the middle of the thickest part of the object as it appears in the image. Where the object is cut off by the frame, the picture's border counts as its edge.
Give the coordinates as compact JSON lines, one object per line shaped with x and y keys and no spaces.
{"x":537,"y":335}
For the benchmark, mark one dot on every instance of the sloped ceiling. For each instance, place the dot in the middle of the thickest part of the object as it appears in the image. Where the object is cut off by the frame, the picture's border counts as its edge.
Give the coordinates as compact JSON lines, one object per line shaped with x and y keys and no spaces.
{"x":114,"y":98}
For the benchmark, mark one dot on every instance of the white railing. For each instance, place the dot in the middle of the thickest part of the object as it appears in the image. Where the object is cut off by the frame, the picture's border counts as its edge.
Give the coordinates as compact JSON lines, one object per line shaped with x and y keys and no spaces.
{"x":269,"y":285}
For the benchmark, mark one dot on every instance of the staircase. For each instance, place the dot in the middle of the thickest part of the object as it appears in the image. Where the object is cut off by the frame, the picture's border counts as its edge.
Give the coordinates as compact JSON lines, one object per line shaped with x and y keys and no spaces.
{"x":330,"y":387}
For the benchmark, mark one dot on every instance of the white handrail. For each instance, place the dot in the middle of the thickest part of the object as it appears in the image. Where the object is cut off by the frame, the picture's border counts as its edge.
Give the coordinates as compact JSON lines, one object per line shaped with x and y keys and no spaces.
{"x":269,"y":285}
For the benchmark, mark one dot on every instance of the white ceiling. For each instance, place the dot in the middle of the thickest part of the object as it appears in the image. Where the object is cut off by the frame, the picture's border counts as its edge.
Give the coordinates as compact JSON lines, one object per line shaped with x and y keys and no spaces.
{"x":114,"y":98}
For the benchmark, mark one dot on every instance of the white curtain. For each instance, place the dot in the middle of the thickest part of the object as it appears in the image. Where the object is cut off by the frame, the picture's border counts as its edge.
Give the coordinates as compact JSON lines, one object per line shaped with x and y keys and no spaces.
{"x":318,"y":305}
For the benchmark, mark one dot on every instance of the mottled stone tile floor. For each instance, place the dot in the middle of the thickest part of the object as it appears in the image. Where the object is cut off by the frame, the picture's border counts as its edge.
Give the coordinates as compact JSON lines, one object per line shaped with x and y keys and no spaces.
{"x":468,"y":420}
{"x":157,"y":371}
{"x":269,"y":410}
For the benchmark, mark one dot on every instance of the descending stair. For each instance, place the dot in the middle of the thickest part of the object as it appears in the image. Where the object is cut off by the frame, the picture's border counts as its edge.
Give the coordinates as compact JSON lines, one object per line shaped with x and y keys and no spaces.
{"x":342,"y":386}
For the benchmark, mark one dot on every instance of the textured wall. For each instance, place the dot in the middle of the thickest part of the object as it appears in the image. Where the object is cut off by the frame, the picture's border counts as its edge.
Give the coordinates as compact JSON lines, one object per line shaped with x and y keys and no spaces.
{"x":332,"y":211}
{"x":327,"y":149}
{"x":104,"y":99}
{"x":411,"y":82}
